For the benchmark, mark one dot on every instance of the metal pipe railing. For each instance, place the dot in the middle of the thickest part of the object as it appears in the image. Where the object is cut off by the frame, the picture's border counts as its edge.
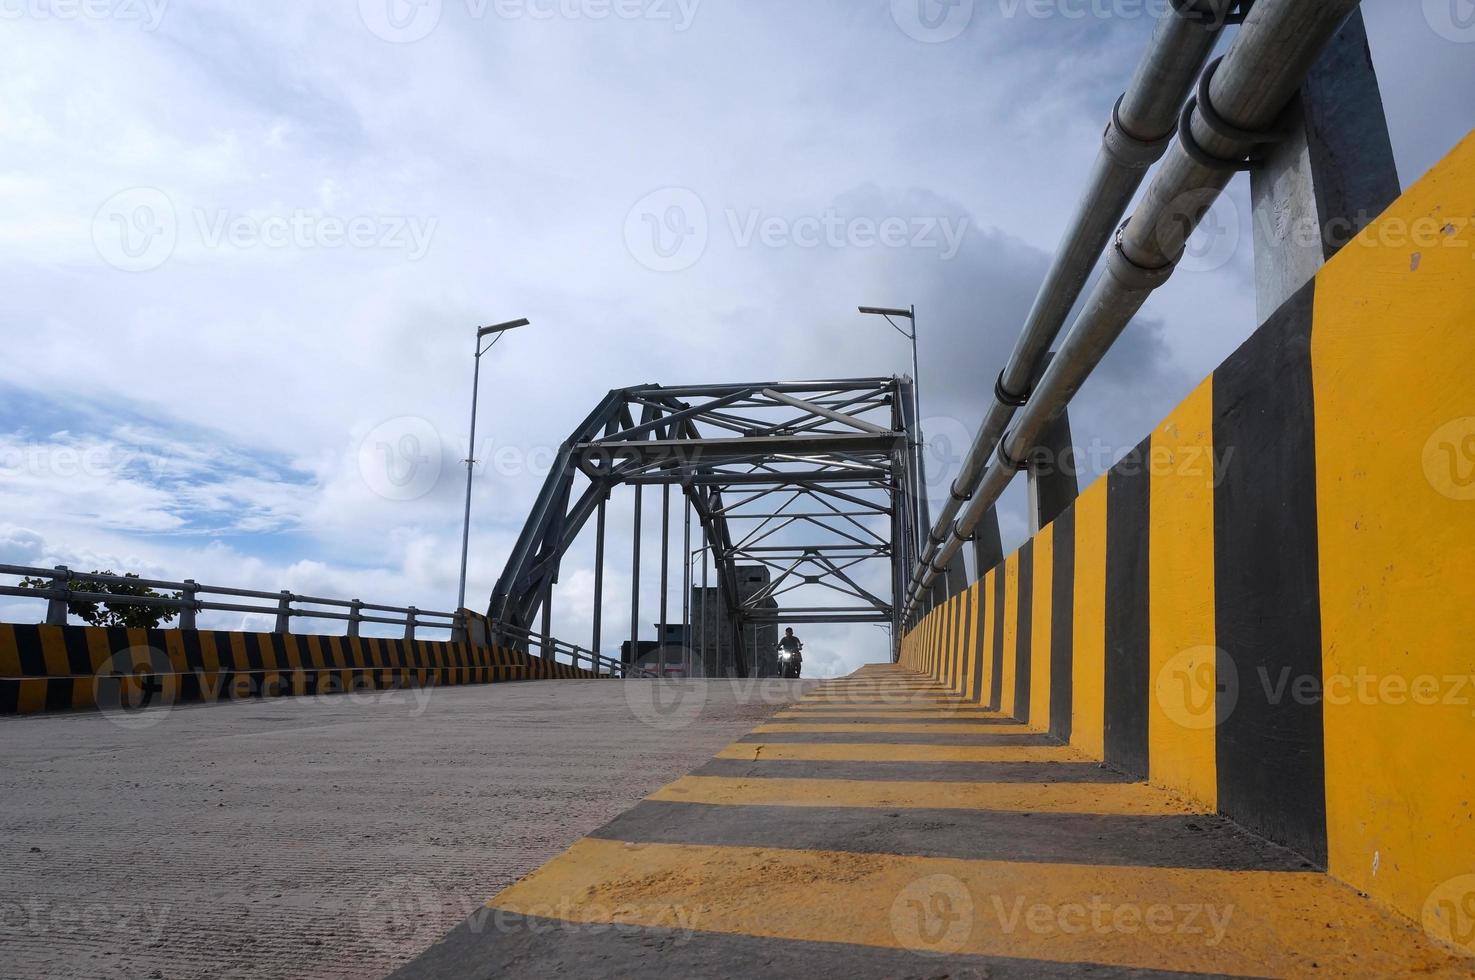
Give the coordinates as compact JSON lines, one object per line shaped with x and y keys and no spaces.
{"x":188,"y":602}
{"x":597,"y":662}
{"x":1240,"y":102}
{"x":1141,"y":126}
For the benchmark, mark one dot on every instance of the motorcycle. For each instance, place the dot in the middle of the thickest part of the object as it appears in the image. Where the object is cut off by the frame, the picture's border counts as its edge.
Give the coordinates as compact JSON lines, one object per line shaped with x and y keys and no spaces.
{"x":789,"y":664}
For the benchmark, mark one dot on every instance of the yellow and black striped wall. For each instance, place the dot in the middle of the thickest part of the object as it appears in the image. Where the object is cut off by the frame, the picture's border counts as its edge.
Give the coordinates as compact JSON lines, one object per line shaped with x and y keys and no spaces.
{"x":1269,"y":605}
{"x":58,"y":668}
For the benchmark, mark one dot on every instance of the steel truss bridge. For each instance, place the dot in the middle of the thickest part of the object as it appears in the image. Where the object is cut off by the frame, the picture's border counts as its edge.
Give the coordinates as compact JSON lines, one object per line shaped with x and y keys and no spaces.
{"x":817,"y":482}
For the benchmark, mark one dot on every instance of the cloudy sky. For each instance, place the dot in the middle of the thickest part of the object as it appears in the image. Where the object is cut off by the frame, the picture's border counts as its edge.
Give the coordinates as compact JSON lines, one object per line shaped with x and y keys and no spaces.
{"x":245,"y":246}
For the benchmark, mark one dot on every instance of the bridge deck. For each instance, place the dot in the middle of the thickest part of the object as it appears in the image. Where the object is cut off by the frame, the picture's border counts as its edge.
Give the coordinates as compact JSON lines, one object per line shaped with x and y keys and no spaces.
{"x":318,"y":836}
{"x":878,"y":828}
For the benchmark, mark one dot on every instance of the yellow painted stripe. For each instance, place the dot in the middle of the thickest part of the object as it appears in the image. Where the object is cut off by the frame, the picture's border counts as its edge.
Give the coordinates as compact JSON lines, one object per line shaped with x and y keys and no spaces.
{"x":1040,"y":630}
{"x":1391,"y":354}
{"x":1088,"y":663}
{"x":54,"y":651}
{"x":881,"y":752}
{"x":1011,"y":632}
{"x":1117,"y":799}
{"x":914,"y":713}
{"x":987,"y":604}
{"x":818,"y":728}
{"x":1261,"y":923}
{"x":1181,"y":708}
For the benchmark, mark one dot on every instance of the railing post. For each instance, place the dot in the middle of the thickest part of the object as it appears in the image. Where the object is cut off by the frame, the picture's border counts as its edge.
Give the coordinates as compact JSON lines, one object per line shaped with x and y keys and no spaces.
{"x":56,"y":606}
{"x":410,"y":623}
{"x":284,"y":613}
{"x":355,"y":616}
{"x":187,"y":611}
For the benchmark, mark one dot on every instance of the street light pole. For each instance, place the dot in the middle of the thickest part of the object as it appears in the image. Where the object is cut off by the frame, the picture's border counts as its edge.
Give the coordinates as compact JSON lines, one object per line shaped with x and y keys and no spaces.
{"x":910,"y":315}
{"x":481,"y":334}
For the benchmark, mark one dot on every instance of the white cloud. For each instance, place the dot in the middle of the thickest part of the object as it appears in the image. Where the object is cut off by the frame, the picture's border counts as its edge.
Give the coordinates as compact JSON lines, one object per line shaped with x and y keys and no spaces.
{"x":244,"y":377}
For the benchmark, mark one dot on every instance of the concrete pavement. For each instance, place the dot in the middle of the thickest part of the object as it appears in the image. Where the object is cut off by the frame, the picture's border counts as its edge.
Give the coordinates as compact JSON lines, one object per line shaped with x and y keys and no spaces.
{"x":324,"y":837}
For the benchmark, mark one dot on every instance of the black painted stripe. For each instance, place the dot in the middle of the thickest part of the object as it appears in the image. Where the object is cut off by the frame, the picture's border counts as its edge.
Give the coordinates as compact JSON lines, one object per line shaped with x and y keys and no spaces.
{"x":1128,"y":664}
{"x":59,"y":694}
{"x":1022,"y":632}
{"x":996,"y":683}
{"x":194,"y":657}
{"x":929,"y":772}
{"x":1022,"y":740}
{"x":1267,"y":611}
{"x":9,"y":696}
{"x":1062,"y":624}
{"x":252,"y":643}
{"x":79,"y":658}
{"x":493,"y":944}
{"x":1201,"y":841}
{"x":28,"y":651}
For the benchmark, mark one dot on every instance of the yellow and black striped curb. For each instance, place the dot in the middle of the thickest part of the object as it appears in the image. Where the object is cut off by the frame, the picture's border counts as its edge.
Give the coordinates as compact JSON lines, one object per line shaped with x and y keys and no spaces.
{"x":57,"y":668}
{"x":1266,"y":606}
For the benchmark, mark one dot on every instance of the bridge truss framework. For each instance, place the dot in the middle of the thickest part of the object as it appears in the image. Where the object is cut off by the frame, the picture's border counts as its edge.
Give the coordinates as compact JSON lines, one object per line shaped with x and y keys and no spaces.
{"x":815,"y":481}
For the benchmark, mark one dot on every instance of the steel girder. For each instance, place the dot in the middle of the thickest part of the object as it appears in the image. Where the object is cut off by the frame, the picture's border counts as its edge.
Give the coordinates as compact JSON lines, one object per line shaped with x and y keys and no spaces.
{"x":815,"y":481}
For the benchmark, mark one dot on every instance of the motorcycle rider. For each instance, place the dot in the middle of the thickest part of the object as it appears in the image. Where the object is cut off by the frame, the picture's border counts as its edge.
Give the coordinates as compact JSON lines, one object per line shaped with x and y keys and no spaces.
{"x":795,"y":646}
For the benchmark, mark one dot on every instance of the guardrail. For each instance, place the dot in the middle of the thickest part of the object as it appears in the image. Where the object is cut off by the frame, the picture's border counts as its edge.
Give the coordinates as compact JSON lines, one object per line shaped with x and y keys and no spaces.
{"x":284,"y":606}
{"x":597,"y":662}
{"x":1223,"y":114}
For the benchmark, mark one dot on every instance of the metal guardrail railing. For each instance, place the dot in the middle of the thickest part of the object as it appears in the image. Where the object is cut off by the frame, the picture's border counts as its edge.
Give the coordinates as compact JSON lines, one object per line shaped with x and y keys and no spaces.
{"x":284,"y":606}
{"x":597,"y":662}
{"x":1221,"y":115}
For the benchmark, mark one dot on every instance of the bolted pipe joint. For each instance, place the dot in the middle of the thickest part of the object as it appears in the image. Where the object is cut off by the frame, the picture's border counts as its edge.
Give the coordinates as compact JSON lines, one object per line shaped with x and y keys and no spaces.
{"x":1128,"y":150}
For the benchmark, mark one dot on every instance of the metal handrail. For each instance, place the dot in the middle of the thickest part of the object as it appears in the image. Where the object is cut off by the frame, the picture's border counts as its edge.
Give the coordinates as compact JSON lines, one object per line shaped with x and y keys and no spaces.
{"x":1267,"y":63}
{"x":598,"y":662}
{"x":188,"y":602}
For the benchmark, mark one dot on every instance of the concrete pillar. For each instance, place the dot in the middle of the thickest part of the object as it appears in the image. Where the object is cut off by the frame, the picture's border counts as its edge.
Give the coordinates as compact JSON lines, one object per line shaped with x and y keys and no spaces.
{"x":1334,"y":174}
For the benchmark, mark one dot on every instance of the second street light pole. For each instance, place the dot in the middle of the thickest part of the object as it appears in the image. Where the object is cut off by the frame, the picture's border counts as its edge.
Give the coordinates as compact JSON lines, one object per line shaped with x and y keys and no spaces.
{"x":924,"y":510}
{"x":481,"y":334}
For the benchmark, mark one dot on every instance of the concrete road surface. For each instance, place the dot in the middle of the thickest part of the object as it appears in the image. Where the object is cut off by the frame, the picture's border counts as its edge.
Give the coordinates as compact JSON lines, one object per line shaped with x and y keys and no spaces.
{"x":323,"y":837}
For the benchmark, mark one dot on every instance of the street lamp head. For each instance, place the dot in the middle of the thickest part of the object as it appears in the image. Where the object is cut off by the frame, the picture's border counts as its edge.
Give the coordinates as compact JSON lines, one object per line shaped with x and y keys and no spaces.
{"x":884,"y":311}
{"x":499,"y":328}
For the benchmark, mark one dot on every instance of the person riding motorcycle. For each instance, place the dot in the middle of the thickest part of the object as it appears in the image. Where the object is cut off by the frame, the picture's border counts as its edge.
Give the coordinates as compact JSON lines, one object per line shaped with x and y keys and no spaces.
{"x":790,"y":644}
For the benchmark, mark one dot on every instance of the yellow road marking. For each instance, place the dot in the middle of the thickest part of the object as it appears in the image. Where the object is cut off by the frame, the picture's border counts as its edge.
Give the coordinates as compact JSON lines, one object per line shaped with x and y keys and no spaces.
{"x":1244,"y":923}
{"x":898,"y":713}
{"x":1116,"y":799}
{"x":881,"y":752}
{"x":890,"y":729}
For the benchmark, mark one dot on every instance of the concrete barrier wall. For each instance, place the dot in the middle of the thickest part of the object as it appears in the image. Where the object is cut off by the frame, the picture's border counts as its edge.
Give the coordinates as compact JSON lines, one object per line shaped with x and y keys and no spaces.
{"x":1269,"y":605}
{"x":57,"y":668}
